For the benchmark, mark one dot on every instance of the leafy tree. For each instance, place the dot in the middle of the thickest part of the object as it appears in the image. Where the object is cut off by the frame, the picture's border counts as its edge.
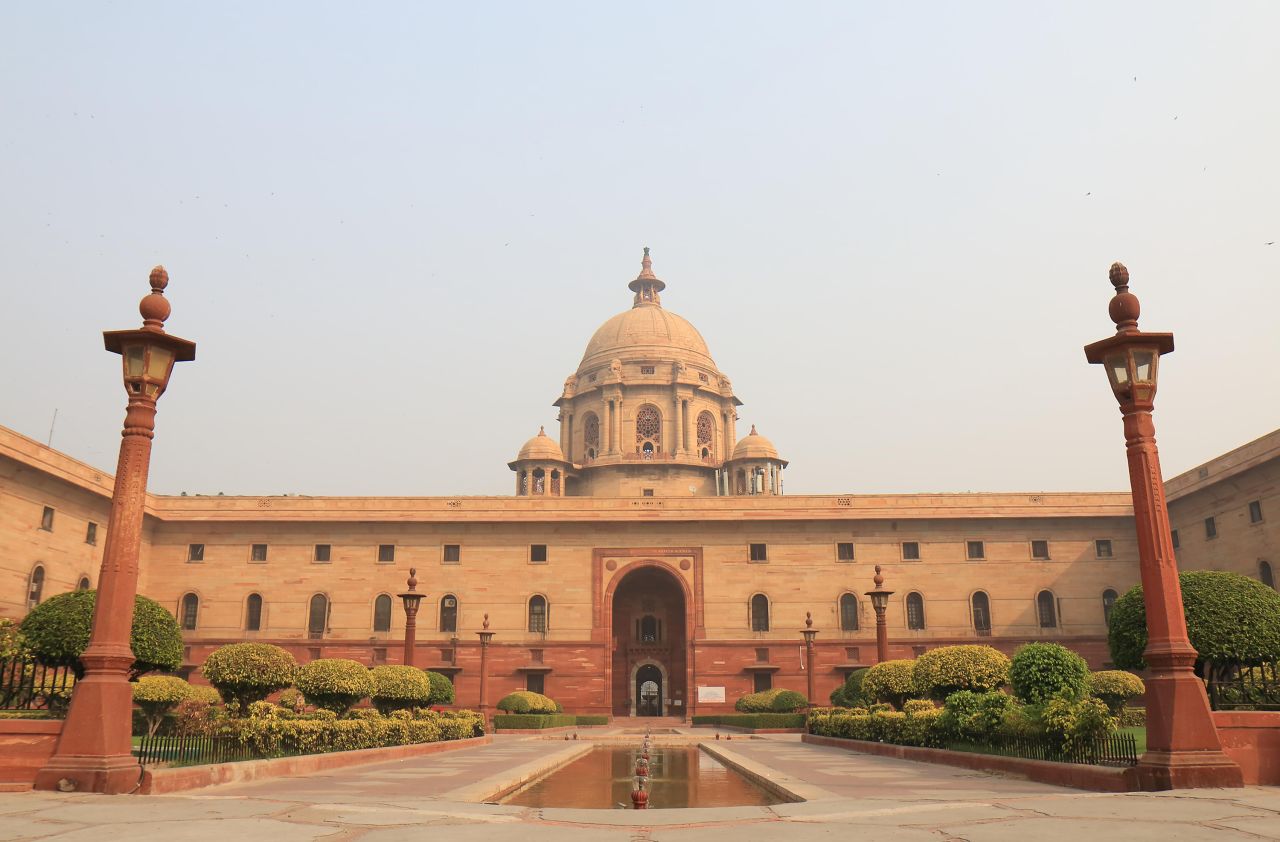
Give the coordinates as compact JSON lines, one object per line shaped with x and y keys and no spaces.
{"x":57,"y":632}
{"x":441,"y":689}
{"x":245,"y":673}
{"x":399,"y":688}
{"x":1041,"y":671}
{"x":890,"y":681}
{"x":157,"y":695}
{"x":1115,"y":688}
{"x":940,"y":672}
{"x":334,"y":683}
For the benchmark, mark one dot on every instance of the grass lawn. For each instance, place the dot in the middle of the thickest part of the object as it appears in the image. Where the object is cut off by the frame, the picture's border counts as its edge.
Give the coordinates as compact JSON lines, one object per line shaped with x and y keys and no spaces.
{"x":1139,"y":735}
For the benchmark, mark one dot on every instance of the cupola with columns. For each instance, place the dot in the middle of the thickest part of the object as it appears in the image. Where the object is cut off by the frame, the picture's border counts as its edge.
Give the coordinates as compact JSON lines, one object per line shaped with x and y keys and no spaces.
{"x":541,"y":469}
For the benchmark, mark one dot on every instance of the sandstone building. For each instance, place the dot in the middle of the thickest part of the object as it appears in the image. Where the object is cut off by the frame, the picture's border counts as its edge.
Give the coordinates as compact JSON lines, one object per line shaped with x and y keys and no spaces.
{"x":648,"y":561}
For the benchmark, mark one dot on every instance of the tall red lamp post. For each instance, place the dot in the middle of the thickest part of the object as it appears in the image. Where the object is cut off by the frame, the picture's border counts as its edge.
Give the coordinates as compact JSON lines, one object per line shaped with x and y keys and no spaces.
{"x":880,"y":603}
{"x":485,"y":637}
{"x":809,"y":633}
{"x":94,"y":753}
{"x":412,"y":601}
{"x":1183,"y":749}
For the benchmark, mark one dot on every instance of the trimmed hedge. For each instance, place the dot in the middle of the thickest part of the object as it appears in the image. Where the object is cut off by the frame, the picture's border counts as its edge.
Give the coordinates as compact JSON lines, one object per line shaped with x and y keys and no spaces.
{"x":777,"y":700}
{"x":441,"y":689}
{"x":334,"y":683}
{"x":57,"y":630}
{"x":157,"y":695}
{"x":533,"y":720}
{"x":753,"y":720}
{"x":399,"y":687}
{"x":890,"y":681}
{"x":526,"y":701}
{"x":244,"y":673}
{"x":1041,"y":671}
{"x":1116,"y":688}
{"x":592,"y":719}
{"x":905,"y":729}
{"x":948,"y":669}
{"x":277,"y":735}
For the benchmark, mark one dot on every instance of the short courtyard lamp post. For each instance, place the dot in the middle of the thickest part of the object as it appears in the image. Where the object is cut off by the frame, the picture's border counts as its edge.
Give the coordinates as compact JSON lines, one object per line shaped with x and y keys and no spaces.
{"x":94,"y":752}
{"x":486,"y":637}
{"x":809,"y":633}
{"x":880,"y":602}
{"x":412,"y":601}
{"x":1183,"y":749}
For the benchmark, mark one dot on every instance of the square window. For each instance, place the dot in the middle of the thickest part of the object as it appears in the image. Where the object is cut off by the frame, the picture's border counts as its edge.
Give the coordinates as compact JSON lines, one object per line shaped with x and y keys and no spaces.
{"x":1102,"y":547}
{"x":853,"y":653}
{"x":258,"y":552}
{"x":758,"y":552}
{"x":919,"y":650}
{"x":762,"y":656}
{"x":975,"y":551}
{"x":91,"y":533}
{"x":446,"y":656}
{"x":46,"y":519}
{"x":535,"y":656}
{"x":386,"y":553}
{"x":910,"y":550}
{"x":195,"y":552}
{"x":1255,"y":511}
{"x":1210,"y":528}
{"x":762,"y":681}
{"x":538,"y":553}
{"x":322,"y":553}
{"x":1174,"y":535}
{"x":647,"y":492}
{"x":844,"y":551}
{"x":452,"y":553}
{"x":535,"y":682}
{"x":1040,"y":550}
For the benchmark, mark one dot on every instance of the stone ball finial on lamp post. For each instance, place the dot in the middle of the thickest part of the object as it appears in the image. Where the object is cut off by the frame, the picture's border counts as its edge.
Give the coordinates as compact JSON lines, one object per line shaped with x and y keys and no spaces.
{"x":880,"y":603}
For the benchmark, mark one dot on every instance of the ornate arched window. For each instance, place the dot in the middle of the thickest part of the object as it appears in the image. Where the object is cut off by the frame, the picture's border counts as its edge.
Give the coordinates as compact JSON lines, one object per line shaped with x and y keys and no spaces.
{"x":448,"y":613}
{"x":539,"y":481}
{"x":848,"y":612}
{"x":759,"y":613}
{"x":382,"y":613}
{"x":555,"y":483}
{"x":980,"y":603}
{"x":1265,"y":576}
{"x":706,"y":435}
{"x":538,"y":613}
{"x":524,"y":483}
{"x":1108,"y":602}
{"x":915,"y":611}
{"x":648,"y":431}
{"x":190,"y":611}
{"x":1047,"y":610}
{"x":35,"y":586}
{"x":253,"y":612}
{"x":318,"y":616}
{"x":84,"y":584}
{"x":591,"y":434}
{"x":741,"y":482}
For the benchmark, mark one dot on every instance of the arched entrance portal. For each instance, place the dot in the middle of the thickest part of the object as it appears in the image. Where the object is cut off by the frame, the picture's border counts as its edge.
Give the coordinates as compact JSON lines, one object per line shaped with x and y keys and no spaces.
{"x":650,"y":648}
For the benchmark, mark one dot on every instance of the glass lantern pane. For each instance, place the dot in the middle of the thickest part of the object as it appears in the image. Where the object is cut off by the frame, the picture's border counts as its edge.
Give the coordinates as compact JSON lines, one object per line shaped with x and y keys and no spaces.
{"x":158,"y":362}
{"x":1118,"y":370}
{"x":1144,"y":366}
{"x":133,"y":360}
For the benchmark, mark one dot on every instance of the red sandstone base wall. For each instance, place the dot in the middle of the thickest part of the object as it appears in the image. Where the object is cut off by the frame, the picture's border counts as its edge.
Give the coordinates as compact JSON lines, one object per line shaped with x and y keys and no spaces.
{"x":25,"y":746}
{"x":1252,"y":739}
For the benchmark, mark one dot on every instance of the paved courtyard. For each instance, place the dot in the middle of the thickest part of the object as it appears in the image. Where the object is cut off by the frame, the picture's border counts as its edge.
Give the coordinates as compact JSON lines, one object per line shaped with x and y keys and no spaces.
{"x":846,"y":793}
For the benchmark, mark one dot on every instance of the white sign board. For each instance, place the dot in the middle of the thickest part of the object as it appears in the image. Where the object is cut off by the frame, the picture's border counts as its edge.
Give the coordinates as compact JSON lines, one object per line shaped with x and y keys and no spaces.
{"x":710,"y":694}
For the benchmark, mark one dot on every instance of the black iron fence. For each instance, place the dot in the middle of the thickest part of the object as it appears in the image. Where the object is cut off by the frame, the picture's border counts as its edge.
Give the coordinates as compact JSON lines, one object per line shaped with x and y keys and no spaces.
{"x":26,"y":685}
{"x":1114,"y":750}
{"x":1245,"y":688}
{"x":191,"y":750}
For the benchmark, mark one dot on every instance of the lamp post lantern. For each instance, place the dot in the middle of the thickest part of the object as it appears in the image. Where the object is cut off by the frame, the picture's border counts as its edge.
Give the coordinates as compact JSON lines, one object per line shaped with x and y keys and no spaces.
{"x":412,"y":601}
{"x":485,"y":637}
{"x":880,"y":602}
{"x":809,"y":633}
{"x":94,"y":752}
{"x":1183,"y":749}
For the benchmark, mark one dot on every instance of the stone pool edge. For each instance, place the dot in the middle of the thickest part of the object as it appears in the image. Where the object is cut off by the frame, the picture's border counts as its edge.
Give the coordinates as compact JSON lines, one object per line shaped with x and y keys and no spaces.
{"x":792,"y":790}
{"x":495,"y":787}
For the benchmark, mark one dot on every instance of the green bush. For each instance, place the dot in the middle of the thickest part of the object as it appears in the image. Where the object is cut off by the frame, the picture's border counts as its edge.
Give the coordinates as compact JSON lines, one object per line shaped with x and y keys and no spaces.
{"x":909,"y":729}
{"x":1075,"y":723}
{"x":157,"y":695}
{"x":526,"y":701}
{"x":1040,"y":671}
{"x":56,"y":633}
{"x":1232,"y":620}
{"x":753,"y":720}
{"x":592,"y":719}
{"x":244,"y":673}
{"x":441,"y":689}
{"x":1116,"y":688}
{"x":1133,"y":717}
{"x":399,"y":687}
{"x":12,"y":644}
{"x":334,"y":683}
{"x":918,"y":706}
{"x":849,"y":694}
{"x":512,"y":721}
{"x":974,"y":717}
{"x":269,"y":736}
{"x":890,"y":681}
{"x":940,"y":672}
{"x":777,"y":700}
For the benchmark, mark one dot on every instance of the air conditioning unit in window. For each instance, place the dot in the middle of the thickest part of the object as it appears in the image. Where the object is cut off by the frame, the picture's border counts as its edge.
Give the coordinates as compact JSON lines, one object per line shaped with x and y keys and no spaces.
{"x":450,"y":602}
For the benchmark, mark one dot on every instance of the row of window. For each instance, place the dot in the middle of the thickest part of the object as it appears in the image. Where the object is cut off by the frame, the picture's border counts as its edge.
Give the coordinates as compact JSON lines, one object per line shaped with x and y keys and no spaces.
{"x":323,"y":553}
{"x":35,"y":585}
{"x":910,"y":550}
{"x":46,"y":523}
{"x":319,"y":613}
{"x":1211,"y":523}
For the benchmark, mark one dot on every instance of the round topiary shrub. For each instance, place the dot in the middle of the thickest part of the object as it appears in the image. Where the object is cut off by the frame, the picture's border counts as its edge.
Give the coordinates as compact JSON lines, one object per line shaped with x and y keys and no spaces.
{"x":441,"y":689}
{"x":1116,"y":688}
{"x":399,"y":688}
{"x":1041,"y":671}
{"x":940,"y":672}
{"x":203,"y":694}
{"x":244,"y":673}
{"x":890,"y":681}
{"x":334,"y":683}
{"x":525,"y":701}
{"x":157,"y":695}
{"x":56,"y":632}
{"x":1232,"y":620}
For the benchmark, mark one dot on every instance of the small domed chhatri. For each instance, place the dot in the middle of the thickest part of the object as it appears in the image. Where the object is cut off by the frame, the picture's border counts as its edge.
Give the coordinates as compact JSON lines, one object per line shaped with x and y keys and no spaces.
{"x":755,"y":446}
{"x":540,"y":467}
{"x":756,"y":467}
{"x":541,"y":446}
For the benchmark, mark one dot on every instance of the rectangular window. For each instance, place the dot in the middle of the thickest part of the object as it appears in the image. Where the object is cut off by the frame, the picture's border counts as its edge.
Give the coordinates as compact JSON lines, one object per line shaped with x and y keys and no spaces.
{"x":844,"y":551}
{"x":195,"y":552}
{"x":446,"y":656}
{"x":258,"y":552}
{"x":910,"y":550}
{"x":1102,"y":548}
{"x":386,"y":553}
{"x":535,"y":656}
{"x":853,"y":653}
{"x":762,"y":681}
{"x":91,"y":533}
{"x":758,"y":552}
{"x":1174,"y":535}
{"x":452,"y":553}
{"x":46,"y":519}
{"x":535,"y":682}
{"x":321,"y":553}
{"x":1210,"y":528}
{"x":762,"y":655}
{"x":646,"y":492}
{"x":975,"y":551}
{"x":538,"y":553}
{"x":646,"y":369}
{"x":1255,"y":511}
{"x":1040,"y":550}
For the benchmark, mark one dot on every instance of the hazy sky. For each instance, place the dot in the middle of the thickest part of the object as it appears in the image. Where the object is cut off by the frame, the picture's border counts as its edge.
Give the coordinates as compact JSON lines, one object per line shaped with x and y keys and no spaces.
{"x":392,"y":228}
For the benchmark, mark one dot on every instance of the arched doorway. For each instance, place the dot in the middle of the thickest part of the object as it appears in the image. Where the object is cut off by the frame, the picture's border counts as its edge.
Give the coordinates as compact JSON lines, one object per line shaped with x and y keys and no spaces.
{"x":650,"y":647}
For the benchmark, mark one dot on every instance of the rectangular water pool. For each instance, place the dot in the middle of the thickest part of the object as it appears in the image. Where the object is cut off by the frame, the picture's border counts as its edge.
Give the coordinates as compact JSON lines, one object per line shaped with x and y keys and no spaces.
{"x":679,"y":776}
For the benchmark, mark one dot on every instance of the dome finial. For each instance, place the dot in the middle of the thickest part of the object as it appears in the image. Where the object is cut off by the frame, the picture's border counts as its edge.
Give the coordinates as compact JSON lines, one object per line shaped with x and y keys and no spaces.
{"x":753,"y":431}
{"x":646,"y":286}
